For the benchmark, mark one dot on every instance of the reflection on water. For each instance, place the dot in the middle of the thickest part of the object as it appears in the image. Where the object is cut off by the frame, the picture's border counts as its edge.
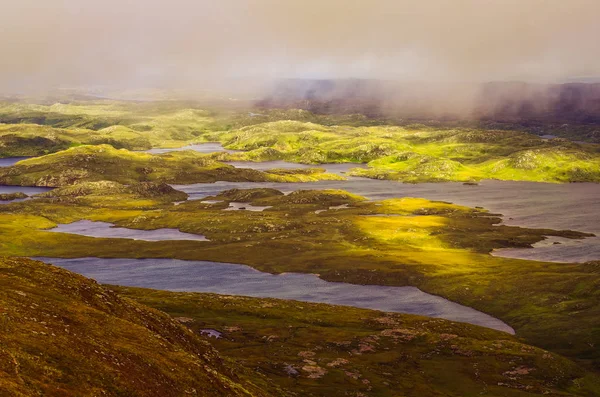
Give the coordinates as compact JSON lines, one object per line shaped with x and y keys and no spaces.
{"x":232,"y":279}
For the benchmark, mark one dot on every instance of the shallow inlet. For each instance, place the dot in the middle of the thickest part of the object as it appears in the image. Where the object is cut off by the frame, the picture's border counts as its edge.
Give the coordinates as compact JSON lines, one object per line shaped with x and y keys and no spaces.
{"x":233,"y":279}
{"x":555,"y":249}
{"x":108,"y":230}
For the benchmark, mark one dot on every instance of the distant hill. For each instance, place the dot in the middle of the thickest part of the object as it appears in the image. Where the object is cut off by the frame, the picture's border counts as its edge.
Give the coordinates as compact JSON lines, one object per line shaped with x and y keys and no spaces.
{"x":498,"y":101}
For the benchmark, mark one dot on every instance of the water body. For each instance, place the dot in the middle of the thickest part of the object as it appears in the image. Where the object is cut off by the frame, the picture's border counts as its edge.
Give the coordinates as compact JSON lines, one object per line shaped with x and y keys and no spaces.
{"x":554,"y":249}
{"x":30,"y":191}
{"x":209,"y":147}
{"x":108,"y":230}
{"x":233,"y":279}
{"x":8,"y":161}
{"x":574,"y":206}
{"x":339,"y":169}
{"x":236,"y":206}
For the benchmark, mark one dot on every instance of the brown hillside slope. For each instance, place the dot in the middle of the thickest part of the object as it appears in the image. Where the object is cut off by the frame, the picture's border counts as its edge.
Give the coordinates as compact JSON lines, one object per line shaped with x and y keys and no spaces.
{"x":63,"y":334}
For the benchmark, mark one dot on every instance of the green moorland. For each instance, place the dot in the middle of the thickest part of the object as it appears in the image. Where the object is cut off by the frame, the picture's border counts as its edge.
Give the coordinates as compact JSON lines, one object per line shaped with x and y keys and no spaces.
{"x":323,"y":350}
{"x":439,"y":247}
{"x":91,"y":163}
{"x":393,"y":149}
{"x":87,"y":150}
{"x":64,"y":335}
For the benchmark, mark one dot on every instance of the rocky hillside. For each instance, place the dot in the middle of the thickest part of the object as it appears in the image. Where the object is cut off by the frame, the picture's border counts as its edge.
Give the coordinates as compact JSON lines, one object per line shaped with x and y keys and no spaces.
{"x":324,"y":350}
{"x":63,"y":334}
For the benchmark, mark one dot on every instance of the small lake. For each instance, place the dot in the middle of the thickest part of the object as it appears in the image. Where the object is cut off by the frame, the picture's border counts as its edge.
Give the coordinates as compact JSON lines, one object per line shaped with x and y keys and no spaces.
{"x":339,"y":169}
{"x":108,"y":230}
{"x":8,"y":161}
{"x":233,"y":279}
{"x":30,"y":191}
{"x":235,"y":206}
{"x":209,"y":147}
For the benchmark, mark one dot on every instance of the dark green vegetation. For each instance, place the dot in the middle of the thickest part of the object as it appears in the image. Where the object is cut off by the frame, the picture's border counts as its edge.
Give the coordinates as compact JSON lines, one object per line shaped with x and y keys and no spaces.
{"x":103,"y":162}
{"x":322,"y":350}
{"x":438,"y":247}
{"x":64,"y":335}
{"x":393,"y":149}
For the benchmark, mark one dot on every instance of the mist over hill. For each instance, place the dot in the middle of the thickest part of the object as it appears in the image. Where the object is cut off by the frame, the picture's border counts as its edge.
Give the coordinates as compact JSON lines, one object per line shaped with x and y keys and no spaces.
{"x":496,"y":101}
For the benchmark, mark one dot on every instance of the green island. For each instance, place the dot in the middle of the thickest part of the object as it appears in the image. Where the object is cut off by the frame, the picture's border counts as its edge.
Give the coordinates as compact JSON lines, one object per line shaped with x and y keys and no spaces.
{"x":103,"y":162}
{"x":91,"y":153}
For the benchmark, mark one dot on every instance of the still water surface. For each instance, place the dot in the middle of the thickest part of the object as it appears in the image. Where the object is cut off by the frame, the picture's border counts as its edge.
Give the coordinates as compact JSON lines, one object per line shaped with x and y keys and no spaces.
{"x":233,"y":279}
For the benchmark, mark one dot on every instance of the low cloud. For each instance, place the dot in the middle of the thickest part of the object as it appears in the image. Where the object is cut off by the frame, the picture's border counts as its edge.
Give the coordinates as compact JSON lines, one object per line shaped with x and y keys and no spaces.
{"x":207,"y":44}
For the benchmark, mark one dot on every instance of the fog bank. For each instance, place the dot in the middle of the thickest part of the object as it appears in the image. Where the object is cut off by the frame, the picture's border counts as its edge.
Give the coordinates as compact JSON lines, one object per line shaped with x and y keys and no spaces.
{"x":239,"y":45}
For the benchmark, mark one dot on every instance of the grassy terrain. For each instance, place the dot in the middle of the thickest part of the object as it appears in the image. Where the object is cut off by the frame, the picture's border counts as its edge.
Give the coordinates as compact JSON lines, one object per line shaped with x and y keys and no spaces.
{"x":103,"y":162}
{"x":419,"y":153}
{"x":439,"y":247}
{"x":87,"y":149}
{"x":64,"y":335}
{"x":393,"y":149}
{"x":323,"y":350}
{"x":128,"y":125}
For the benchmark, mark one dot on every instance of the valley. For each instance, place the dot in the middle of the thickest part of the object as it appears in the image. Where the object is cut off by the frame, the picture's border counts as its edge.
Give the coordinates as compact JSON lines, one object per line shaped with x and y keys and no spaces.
{"x":301,"y":223}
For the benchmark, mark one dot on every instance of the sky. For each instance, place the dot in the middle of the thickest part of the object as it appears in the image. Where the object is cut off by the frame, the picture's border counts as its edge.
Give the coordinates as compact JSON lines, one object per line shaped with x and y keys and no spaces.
{"x":202,"y":44}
